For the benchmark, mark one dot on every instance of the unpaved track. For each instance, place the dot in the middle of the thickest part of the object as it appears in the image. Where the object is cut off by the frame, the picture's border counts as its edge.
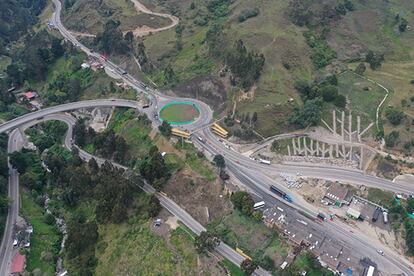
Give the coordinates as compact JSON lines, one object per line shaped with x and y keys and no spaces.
{"x":143,"y":30}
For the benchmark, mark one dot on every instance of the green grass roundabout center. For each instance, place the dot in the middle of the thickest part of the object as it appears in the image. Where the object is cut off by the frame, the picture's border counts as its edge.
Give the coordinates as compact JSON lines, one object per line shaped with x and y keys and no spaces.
{"x":179,"y":113}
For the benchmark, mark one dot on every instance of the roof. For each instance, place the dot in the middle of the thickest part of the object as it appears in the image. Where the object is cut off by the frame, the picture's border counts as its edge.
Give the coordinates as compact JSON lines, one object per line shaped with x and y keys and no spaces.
{"x":18,"y":264}
{"x":30,"y":94}
{"x":337,"y":192}
{"x":353,"y":213}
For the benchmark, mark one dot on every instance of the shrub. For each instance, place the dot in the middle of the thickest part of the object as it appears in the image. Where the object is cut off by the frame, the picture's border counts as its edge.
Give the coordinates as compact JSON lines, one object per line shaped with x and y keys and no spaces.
{"x":248,"y":13}
{"x":394,"y":116}
{"x":392,"y":138}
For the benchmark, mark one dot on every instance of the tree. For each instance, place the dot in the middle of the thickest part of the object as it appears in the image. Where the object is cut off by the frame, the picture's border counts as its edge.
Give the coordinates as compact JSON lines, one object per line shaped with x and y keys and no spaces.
{"x":329,"y":93}
{"x":243,"y":201}
{"x":409,"y":240}
{"x":374,"y":59}
{"x":248,"y":266}
{"x":310,"y":114}
{"x":57,"y":48}
{"x":143,"y":60}
{"x":169,"y":75}
{"x":206,"y":241}
{"x":360,"y":69}
{"x":394,"y":116}
{"x":165,"y":129}
{"x":340,"y":101}
{"x":392,"y":138}
{"x":349,"y":5}
{"x":403,"y":25}
{"x":219,"y":161}
{"x":129,"y":37}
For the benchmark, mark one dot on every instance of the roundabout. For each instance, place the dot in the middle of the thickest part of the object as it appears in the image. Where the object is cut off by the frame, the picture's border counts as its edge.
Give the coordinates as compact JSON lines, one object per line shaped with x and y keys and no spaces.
{"x":179,"y":113}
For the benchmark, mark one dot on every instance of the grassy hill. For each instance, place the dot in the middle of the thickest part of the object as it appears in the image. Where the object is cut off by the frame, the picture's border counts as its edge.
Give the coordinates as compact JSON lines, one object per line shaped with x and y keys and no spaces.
{"x":90,"y":16}
{"x":292,"y":40}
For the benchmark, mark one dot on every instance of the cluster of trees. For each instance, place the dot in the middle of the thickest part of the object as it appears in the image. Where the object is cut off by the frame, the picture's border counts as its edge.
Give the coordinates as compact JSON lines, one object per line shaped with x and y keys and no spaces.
{"x":313,"y":95}
{"x":16,"y":17}
{"x":144,"y":61}
{"x":112,"y":41}
{"x":154,"y":169}
{"x":51,"y":133}
{"x":248,"y":13}
{"x":247,"y":125}
{"x":321,"y":53}
{"x":165,"y":129}
{"x":394,"y":116}
{"x":392,"y":138}
{"x":304,"y":13}
{"x":245,"y":66}
{"x":32,"y":61}
{"x":106,"y":144}
{"x":4,"y":174}
{"x":374,"y":59}
{"x":307,"y":13}
{"x":206,"y":241}
{"x":402,"y":23}
{"x":244,"y":202}
{"x":218,"y":8}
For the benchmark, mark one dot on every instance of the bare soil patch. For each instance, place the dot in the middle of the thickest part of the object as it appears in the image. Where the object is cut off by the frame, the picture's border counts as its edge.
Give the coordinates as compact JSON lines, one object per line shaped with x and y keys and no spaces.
{"x":196,"y":194}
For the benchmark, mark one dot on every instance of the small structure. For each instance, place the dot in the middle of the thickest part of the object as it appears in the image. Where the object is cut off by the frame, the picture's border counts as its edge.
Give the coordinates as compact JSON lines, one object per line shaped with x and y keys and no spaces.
{"x":18,"y":264}
{"x":353,"y":213}
{"x":96,"y":66}
{"x":157,"y":222}
{"x":339,"y":195}
{"x":85,"y":65}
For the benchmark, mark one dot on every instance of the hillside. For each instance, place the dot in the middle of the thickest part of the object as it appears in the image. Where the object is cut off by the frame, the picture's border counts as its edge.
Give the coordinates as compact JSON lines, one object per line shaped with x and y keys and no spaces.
{"x":90,"y":16}
{"x":300,"y":40}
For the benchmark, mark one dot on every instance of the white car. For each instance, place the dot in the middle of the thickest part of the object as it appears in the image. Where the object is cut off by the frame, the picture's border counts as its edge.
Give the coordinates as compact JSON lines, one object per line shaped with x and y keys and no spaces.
{"x":380,"y":252}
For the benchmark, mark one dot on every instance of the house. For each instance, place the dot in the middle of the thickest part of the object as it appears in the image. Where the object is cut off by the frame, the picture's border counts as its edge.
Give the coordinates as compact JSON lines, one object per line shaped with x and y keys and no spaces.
{"x":353,"y":213}
{"x":18,"y":264}
{"x":338,"y":195}
{"x":30,"y":95}
{"x":85,"y":65}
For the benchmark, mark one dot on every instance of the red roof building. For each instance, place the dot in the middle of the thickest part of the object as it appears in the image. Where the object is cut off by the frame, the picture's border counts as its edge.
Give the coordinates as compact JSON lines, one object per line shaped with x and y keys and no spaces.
{"x":18,"y":265}
{"x":30,"y":95}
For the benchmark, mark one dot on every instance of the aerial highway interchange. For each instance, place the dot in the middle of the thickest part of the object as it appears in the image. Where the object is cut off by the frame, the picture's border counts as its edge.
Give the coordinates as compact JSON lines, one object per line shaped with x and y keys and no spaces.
{"x":255,"y":176}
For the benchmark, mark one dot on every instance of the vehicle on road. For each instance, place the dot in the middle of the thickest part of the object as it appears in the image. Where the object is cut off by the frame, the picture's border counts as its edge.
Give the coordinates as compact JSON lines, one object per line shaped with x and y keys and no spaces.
{"x":376,"y":214}
{"x":146,"y":106}
{"x":258,"y":205}
{"x":263,"y":161}
{"x":380,"y":252}
{"x":321,"y":216}
{"x":201,"y":139}
{"x":281,"y":193}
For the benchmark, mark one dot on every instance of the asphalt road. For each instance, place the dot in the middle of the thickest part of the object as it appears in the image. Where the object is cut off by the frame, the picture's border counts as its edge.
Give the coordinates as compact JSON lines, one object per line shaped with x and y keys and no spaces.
{"x":249,"y":172}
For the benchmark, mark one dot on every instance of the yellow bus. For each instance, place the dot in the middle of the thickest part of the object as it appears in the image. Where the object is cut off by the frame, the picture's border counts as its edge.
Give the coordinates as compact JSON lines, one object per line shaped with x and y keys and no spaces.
{"x":238,"y":250}
{"x":180,"y":133}
{"x":219,"y":130}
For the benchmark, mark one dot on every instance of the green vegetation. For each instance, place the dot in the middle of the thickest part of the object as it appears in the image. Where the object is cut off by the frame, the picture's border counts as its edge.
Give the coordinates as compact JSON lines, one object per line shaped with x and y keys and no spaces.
{"x":45,"y":241}
{"x":4,"y":173}
{"x":134,"y":249}
{"x":196,"y":161}
{"x":248,"y":13}
{"x":179,"y":113}
{"x":16,"y":21}
{"x":206,"y":241}
{"x":322,"y":54}
{"x":253,"y":237}
{"x":232,"y":268}
{"x":306,"y":262}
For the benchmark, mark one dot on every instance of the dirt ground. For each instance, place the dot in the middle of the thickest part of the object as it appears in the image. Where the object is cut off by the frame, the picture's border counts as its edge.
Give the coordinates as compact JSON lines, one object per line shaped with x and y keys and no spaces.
{"x":207,"y":265}
{"x":208,"y":89}
{"x":204,"y":200}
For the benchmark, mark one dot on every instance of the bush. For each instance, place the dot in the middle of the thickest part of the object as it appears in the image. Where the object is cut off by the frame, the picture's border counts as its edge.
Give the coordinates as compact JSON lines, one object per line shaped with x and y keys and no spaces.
{"x":246,"y":14}
{"x":329,"y":93}
{"x":340,"y":101}
{"x":392,"y":138}
{"x":394,"y":116}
